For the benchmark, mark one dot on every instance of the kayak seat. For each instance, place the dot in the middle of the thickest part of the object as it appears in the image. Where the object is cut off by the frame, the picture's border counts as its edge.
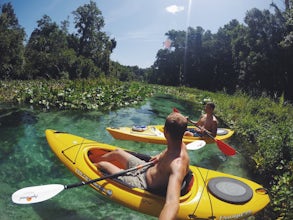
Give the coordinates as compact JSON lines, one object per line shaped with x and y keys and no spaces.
{"x":222,"y":131}
{"x":187,"y":183}
{"x":139,"y":128}
{"x":185,"y":187}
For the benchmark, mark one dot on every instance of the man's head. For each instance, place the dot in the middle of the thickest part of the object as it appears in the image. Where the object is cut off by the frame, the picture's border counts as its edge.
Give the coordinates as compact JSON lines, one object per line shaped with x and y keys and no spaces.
{"x":175,"y":125}
{"x":209,"y":108}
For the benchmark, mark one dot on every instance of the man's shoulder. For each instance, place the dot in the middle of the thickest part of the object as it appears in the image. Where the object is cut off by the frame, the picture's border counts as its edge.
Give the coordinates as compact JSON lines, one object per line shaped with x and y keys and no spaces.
{"x":215,"y":119}
{"x":179,"y":163}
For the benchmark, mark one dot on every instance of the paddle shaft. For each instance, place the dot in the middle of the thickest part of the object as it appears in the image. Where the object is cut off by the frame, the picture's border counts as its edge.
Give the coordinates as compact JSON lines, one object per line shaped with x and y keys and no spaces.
{"x":111,"y":176}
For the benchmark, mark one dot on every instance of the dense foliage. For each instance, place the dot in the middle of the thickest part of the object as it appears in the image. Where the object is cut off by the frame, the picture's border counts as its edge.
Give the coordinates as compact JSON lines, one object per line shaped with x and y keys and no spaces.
{"x":53,"y":53}
{"x":267,"y":127}
{"x":256,"y":57}
{"x":11,"y":44}
{"x":100,"y":94}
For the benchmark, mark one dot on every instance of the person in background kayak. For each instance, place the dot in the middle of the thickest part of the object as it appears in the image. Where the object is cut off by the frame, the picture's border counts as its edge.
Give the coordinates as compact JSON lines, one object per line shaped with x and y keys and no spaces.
{"x":206,"y":123}
{"x":167,"y":173}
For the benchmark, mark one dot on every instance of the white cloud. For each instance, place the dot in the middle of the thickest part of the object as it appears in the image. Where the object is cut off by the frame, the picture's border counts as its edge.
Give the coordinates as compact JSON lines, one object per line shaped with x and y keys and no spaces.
{"x":174,"y":9}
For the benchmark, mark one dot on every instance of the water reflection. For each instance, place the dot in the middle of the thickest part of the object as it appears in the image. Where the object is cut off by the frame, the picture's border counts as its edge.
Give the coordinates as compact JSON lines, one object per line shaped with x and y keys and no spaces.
{"x":27,"y":160}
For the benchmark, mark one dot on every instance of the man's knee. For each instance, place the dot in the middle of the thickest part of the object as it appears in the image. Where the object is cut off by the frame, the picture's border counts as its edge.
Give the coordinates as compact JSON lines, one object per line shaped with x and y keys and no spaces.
{"x":101,"y":165}
{"x":188,"y":133}
{"x":118,"y":151}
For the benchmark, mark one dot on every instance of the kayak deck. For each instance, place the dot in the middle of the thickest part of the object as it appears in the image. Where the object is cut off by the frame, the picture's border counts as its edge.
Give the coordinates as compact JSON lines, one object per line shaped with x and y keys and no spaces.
{"x":155,"y":134}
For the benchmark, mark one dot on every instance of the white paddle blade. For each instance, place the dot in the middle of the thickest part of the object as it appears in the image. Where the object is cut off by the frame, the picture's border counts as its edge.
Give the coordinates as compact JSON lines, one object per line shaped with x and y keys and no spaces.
{"x":35,"y":194}
{"x":196,"y":145}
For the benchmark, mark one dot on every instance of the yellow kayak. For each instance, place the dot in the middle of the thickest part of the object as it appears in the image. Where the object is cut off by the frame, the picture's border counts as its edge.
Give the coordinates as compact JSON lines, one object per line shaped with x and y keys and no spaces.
{"x":154,"y":134}
{"x":207,"y":194}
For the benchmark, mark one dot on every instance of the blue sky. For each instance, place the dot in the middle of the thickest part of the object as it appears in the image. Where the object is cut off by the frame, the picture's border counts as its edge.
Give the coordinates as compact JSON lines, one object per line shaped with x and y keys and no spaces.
{"x":139,"y":26}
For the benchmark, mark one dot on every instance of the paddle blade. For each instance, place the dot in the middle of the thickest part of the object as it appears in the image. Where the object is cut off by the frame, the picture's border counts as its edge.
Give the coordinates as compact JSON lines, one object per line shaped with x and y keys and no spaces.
{"x":35,"y":194}
{"x":225,"y":148}
{"x":196,"y":145}
{"x":176,"y":110}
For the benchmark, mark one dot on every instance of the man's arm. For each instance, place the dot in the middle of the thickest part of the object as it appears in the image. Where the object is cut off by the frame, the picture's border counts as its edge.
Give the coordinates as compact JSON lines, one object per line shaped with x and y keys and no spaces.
{"x":171,"y":206}
{"x":214,"y":129}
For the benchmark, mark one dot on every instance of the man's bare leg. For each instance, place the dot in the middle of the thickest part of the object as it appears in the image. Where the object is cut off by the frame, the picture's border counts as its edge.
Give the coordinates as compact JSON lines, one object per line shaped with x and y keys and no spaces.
{"x":117,"y":155}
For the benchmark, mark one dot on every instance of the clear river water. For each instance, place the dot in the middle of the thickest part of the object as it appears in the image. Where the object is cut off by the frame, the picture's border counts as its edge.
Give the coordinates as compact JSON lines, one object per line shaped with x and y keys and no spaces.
{"x":26,"y":158}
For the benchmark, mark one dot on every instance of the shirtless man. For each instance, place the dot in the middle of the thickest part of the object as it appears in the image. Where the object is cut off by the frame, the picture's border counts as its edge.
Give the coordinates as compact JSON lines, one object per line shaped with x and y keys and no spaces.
{"x":207,"y":122}
{"x":167,"y":173}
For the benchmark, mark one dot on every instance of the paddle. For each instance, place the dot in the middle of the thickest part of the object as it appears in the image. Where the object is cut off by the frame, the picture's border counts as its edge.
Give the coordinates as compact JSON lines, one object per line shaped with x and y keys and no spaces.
{"x":225,"y":148}
{"x":35,"y":194}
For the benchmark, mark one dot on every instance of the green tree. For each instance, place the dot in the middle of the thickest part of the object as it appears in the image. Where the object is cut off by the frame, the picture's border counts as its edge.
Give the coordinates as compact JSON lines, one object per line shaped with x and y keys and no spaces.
{"x":93,"y":43}
{"x":195,"y":73}
{"x":47,"y":53}
{"x":11,"y":44}
{"x":287,"y":47}
{"x":221,"y":49}
{"x":126,"y":73}
{"x":168,"y":68}
{"x":84,"y":68}
{"x":255,"y":57}
{"x":260,"y":57}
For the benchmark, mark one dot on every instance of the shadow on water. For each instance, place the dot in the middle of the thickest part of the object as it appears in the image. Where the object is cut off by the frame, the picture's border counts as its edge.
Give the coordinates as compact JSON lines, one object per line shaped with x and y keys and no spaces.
{"x":27,"y":160}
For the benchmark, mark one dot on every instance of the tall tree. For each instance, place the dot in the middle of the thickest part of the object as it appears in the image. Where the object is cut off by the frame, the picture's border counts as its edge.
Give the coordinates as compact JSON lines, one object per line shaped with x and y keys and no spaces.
{"x":93,"y":43}
{"x":261,"y":62}
{"x":167,"y":68}
{"x":193,"y":59}
{"x":255,"y":56}
{"x":45,"y":51}
{"x":287,"y":48}
{"x":11,"y":43}
{"x":169,"y":65}
{"x":223,"y":52}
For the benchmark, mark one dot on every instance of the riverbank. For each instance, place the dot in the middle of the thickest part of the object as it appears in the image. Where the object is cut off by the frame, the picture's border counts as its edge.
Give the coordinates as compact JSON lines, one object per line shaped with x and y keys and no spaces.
{"x":264,"y":128}
{"x":262,"y":125}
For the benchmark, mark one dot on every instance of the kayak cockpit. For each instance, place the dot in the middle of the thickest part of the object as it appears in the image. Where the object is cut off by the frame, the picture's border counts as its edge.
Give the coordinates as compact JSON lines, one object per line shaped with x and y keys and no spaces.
{"x":95,"y":153}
